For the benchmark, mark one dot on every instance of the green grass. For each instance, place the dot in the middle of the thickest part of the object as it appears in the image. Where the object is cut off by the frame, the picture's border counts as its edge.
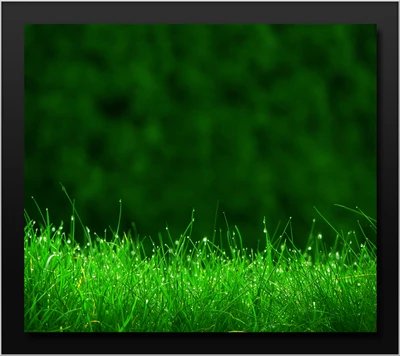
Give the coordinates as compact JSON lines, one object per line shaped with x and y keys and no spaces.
{"x":195,"y":286}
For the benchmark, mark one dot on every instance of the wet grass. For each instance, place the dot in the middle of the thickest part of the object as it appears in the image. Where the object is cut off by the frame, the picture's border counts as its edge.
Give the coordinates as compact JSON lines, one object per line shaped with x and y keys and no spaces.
{"x":195,"y":286}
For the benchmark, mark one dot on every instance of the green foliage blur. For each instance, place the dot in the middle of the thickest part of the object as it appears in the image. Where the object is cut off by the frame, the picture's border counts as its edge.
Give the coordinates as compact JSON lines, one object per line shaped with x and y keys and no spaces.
{"x":269,"y":120}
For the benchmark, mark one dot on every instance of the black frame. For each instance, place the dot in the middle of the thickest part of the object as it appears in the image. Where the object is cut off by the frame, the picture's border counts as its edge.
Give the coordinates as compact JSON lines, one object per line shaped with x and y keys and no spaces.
{"x":15,"y":15}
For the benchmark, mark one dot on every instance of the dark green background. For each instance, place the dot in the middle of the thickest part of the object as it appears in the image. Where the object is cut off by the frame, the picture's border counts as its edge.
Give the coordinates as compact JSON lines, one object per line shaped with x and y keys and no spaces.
{"x":270,"y":120}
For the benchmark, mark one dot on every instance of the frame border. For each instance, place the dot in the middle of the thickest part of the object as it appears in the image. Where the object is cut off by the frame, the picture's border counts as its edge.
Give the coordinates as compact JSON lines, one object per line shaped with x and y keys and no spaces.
{"x":15,"y":15}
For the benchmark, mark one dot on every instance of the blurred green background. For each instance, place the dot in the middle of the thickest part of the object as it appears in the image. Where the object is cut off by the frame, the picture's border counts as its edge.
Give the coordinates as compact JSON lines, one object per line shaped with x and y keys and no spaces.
{"x":270,"y":120}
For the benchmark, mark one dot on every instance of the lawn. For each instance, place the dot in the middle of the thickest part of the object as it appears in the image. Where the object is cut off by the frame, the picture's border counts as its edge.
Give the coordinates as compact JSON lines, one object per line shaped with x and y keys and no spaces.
{"x":116,"y":285}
